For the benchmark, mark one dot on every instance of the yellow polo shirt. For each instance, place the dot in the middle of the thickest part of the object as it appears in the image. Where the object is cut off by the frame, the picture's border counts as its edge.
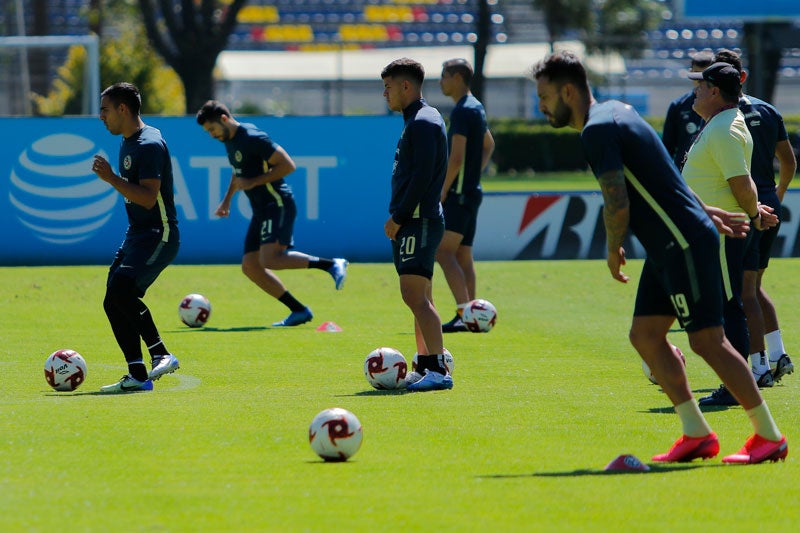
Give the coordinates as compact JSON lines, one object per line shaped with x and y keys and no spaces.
{"x":722,"y":151}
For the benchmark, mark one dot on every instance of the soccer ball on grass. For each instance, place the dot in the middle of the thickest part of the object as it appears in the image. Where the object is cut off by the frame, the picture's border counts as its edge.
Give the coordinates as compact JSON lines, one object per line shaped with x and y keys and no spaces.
{"x":194,"y":310}
{"x":65,"y":370}
{"x":386,"y":368}
{"x":335,"y":434}
{"x":479,"y":316}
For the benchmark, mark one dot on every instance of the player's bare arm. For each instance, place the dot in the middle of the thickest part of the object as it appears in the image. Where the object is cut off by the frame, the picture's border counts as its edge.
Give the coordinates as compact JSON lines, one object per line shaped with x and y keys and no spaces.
{"x":488,"y":149}
{"x":744,"y":190}
{"x":144,"y":193}
{"x":224,"y":207}
{"x":616,"y":216}
{"x":787,"y":168}
{"x":280,"y":166}
{"x":458,"y":150}
{"x":390,"y":227}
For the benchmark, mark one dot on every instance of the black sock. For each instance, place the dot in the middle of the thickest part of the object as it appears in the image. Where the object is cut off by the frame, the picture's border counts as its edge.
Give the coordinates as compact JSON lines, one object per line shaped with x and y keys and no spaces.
{"x":431,"y":362}
{"x":138,"y":370}
{"x":320,"y":263}
{"x":289,"y":301}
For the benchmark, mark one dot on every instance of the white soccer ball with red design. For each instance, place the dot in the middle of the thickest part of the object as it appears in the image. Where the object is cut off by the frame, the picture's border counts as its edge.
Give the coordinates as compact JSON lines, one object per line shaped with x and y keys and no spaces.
{"x":386,"y":368}
{"x":65,"y":370}
{"x":649,"y":373}
{"x":479,"y":316}
{"x":194,"y":310}
{"x":449,"y":362}
{"x":335,"y":434}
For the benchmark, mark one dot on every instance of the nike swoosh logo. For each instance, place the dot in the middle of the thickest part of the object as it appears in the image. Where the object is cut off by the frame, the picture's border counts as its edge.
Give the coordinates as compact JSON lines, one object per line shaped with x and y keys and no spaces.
{"x":404,"y":259}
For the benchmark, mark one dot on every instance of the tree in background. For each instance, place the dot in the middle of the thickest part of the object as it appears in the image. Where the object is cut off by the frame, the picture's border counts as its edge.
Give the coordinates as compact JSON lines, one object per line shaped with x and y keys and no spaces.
{"x":189,"y":35}
{"x":125,"y":55}
{"x":561,"y":16}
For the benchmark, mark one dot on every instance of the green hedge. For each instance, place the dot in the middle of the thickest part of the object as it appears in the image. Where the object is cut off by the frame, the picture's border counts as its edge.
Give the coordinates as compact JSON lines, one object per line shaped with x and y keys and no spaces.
{"x":522,"y":145}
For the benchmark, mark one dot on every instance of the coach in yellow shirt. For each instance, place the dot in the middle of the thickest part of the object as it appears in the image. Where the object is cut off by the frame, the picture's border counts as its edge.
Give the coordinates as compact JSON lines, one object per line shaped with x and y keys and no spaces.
{"x":717,"y":169}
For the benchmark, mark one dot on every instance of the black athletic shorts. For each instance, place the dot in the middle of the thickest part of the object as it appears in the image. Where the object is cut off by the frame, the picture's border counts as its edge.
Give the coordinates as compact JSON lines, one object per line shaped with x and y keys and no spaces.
{"x":414,"y":247}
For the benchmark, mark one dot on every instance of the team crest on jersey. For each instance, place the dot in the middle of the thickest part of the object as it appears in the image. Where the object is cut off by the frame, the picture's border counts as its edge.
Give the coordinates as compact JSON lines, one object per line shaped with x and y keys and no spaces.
{"x":237,"y":156}
{"x":127,"y":162}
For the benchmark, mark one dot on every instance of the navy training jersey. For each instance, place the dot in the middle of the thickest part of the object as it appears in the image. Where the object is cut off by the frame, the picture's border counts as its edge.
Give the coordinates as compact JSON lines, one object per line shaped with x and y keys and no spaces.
{"x":420,"y":164}
{"x":468,"y":118}
{"x":767,"y":129}
{"x":144,"y":155}
{"x":663,"y":210}
{"x":680,"y":127}
{"x":248,"y":152}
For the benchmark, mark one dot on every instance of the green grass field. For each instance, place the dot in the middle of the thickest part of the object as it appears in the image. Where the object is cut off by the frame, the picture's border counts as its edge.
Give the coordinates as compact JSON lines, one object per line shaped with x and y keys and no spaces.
{"x":541,"y":404}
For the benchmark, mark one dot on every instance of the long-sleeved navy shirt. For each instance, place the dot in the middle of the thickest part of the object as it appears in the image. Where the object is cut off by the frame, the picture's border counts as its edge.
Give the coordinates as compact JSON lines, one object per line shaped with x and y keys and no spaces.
{"x":420,"y":164}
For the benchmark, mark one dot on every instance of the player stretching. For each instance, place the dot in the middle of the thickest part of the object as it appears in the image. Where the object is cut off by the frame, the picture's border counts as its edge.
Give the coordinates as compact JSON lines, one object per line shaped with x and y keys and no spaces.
{"x":416,"y":224}
{"x":681,"y":277}
{"x":259,"y":168}
{"x":151,"y":242}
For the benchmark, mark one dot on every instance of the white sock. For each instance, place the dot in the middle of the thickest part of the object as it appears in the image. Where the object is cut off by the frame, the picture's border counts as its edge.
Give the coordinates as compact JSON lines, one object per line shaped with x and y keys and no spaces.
{"x":775,"y":345}
{"x":763,"y":423}
{"x":694,"y":425}
{"x":460,"y":308}
{"x":759,"y":363}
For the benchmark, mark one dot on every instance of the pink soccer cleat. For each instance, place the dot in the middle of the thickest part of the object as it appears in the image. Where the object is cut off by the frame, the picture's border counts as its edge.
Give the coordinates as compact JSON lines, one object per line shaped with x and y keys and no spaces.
{"x":687,"y":449}
{"x":757,"y":449}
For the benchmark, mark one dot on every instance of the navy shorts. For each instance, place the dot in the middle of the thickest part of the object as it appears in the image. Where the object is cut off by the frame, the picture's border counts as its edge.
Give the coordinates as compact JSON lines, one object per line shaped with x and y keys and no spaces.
{"x":414,"y":247}
{"x":275,"y":223}
{"x":144,"y":255}
{"x":686,"y":284}
{"x":461,"y":214}
{"x":760,"y":246}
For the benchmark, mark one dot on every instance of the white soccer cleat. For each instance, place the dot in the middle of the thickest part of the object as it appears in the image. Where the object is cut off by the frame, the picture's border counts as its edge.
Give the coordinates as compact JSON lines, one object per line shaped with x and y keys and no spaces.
{"x":165,"y":364}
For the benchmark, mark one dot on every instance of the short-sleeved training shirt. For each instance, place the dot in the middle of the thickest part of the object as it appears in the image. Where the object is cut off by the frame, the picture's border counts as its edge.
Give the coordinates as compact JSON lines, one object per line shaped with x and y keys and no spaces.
{"x":767,"y":129}
{"x":721,"y":151}
{"x":468,"y":118}
{"x":248,"y":152}
{"x":663,"y":211}
{"x":144,"y":155}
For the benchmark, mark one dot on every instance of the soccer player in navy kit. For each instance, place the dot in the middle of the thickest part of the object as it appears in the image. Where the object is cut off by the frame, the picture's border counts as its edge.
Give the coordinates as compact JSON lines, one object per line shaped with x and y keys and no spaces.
{"x":770,"y":141}
{"x":151,"y":241}
{"x":416,"y":224}
{"x":681,"y":123}
{"x":471,"y":146}
{"x":644,"y":193}
{"x":259,"y":166}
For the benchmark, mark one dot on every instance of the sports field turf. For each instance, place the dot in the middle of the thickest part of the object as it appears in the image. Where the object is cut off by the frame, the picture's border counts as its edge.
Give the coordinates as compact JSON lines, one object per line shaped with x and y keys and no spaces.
{"x":541,"y":404}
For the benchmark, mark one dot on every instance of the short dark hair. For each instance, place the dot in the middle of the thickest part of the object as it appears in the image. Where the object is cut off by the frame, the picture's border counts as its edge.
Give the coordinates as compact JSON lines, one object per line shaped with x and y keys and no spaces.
{"x":212,"y":111}
{"x":562,"y":67}
{"x":702,"y":59}
{"x":405,"y":68}
{"x":730,"y":57}
{"x":124,"y":93}
{"x":459,"y":66}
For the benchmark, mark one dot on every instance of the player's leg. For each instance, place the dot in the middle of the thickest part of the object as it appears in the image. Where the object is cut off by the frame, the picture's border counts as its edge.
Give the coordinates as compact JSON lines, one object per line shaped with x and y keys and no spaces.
{"x":457,"y":222}
{"x":299,"y":312}
{"x":467,"y":262}
{"x":779,"y":360}
{"x":759,"y":362}
{"x":653,"y":315}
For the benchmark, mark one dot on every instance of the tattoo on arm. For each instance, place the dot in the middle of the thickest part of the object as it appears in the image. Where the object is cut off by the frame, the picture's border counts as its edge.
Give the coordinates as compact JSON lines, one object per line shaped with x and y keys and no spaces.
{"x":616,"y":207}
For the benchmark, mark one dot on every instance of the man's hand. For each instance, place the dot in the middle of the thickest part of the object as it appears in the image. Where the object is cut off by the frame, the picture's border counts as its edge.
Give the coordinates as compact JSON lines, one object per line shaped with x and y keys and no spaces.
{"x":616,"y":258}
{"x":391,"y":228}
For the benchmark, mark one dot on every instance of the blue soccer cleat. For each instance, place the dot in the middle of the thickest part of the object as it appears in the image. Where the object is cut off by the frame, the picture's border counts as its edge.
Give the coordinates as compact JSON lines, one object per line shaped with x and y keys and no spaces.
{"x":164,"y":364}
{"x":295,"y":318}
{"x":339,"y":272}
{"x":128,"y":384}
{"x":432,"y":381}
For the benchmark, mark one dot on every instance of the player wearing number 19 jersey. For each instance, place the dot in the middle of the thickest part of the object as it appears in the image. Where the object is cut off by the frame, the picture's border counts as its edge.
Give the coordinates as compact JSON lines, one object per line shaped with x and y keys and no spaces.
{"x":681,"y":277}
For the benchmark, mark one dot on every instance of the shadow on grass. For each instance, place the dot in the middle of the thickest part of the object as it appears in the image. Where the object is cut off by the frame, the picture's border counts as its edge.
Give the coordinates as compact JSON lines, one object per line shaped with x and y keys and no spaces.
{"x":220,"y":330}
{"x":704,"y":408}
{"x":374,"y":392}
{"x":654,"y":469}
